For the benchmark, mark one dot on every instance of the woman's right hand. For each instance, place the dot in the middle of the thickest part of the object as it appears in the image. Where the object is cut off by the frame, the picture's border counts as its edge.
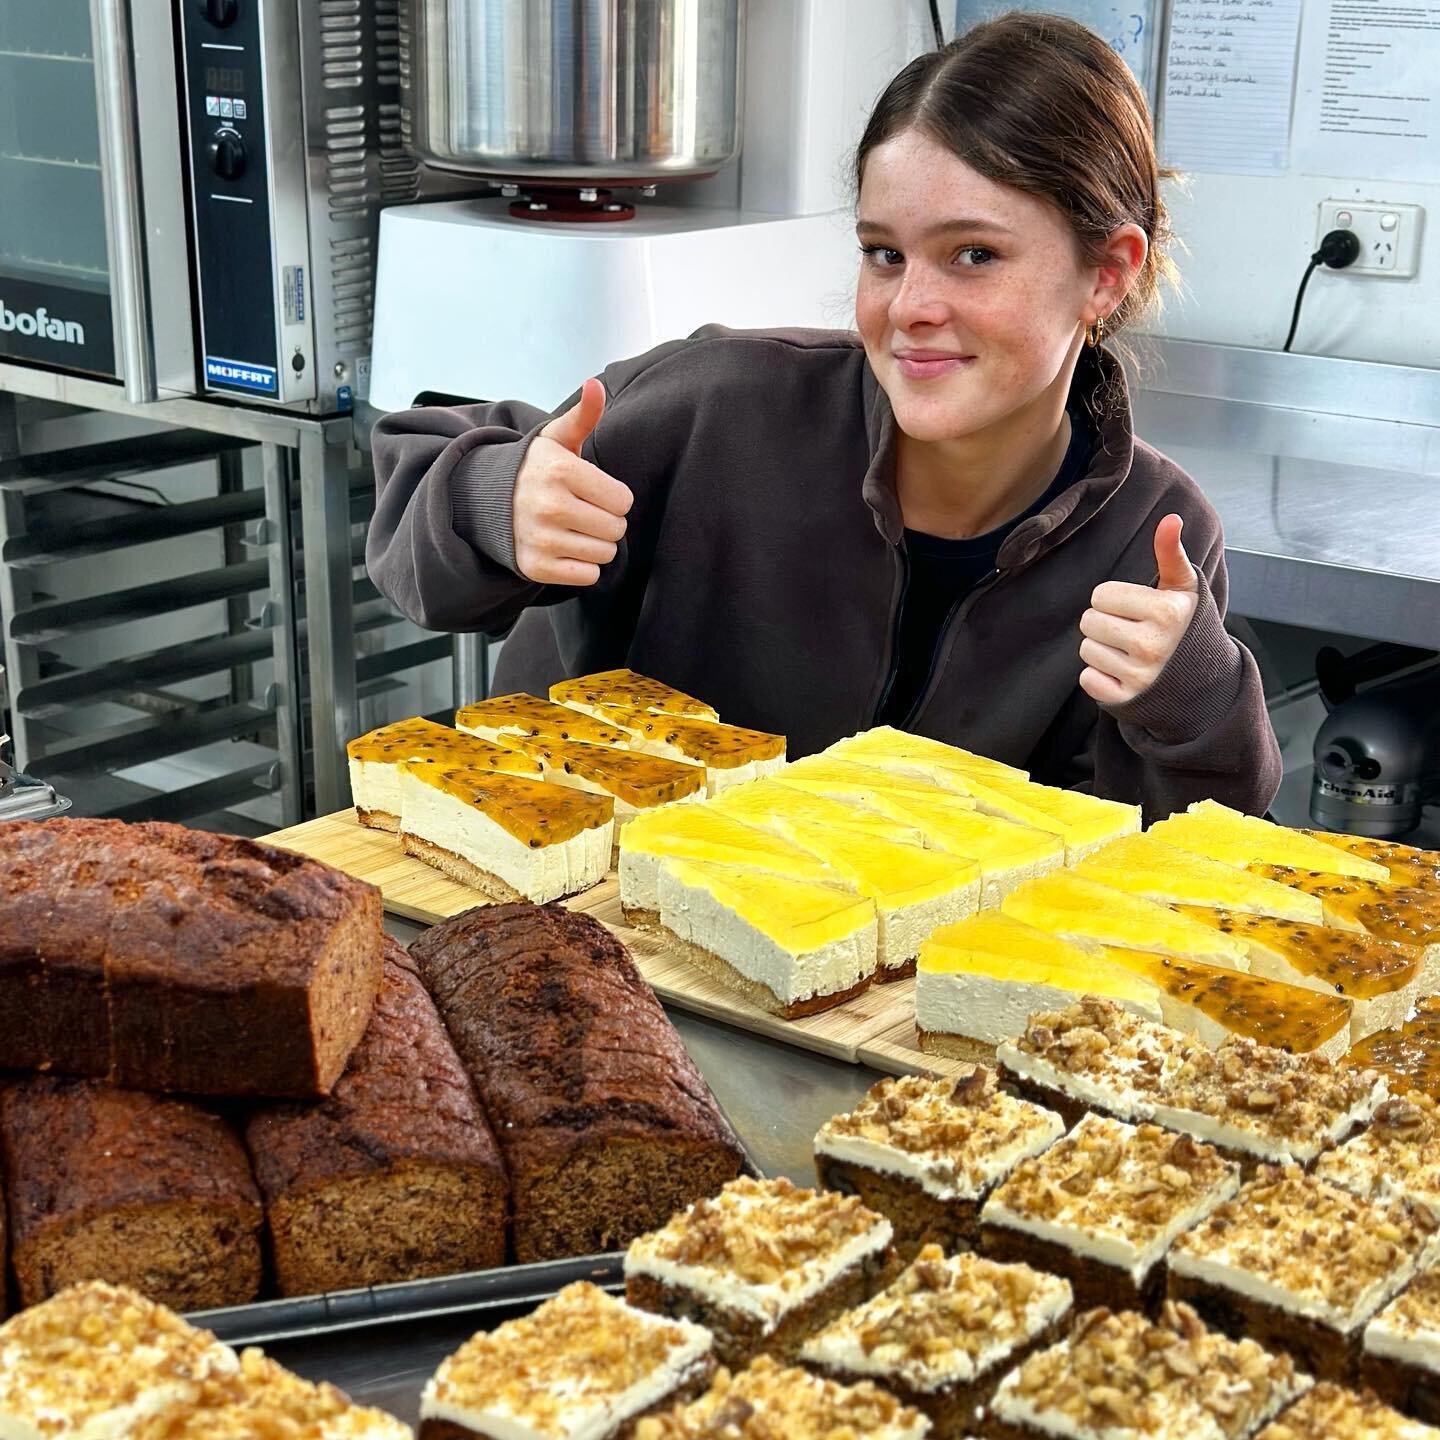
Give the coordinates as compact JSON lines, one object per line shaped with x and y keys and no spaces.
{"x":569,"y":515}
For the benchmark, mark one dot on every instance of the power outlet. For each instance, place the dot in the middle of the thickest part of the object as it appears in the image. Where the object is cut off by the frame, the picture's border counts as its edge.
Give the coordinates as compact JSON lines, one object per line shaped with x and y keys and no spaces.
{"x":1389,"y":235}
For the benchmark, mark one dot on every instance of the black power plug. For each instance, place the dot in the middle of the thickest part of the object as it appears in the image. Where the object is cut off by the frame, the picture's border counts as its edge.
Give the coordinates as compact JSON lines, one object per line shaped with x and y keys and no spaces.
{"x":1338,"y":249}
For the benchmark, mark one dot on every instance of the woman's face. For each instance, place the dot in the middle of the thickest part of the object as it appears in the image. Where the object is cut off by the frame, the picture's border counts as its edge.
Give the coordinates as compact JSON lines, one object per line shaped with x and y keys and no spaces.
{"x":972,"y":295}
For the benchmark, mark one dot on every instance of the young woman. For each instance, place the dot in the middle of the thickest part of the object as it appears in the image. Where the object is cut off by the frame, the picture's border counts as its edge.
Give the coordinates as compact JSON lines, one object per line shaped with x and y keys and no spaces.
{"x":943,"y":522}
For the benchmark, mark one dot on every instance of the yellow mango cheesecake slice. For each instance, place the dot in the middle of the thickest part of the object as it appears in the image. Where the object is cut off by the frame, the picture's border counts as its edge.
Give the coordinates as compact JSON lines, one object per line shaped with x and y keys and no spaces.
{"x":792,"y":947}
{"x":1407,"y":864}
{"x":915,"y":891}
{"x":1214,"y":830}
{"x":502,"y":717}
{"x":1213,"y":1002}
{"x":628,"y":690}
{"x":1379,"y":977}
{"x":889,"y":748}
{"x":1083,"y":822}
{"x":701,"y":832}
{"x":857,"y":783}
{"x":978,"y":982}
{"x":510,"y":837}
{"x":1090,"y":914}
{"x":773,"y":806}
{"x":375,"y":761}
{"x":1144,"y":865}
{"x":730,"y":754}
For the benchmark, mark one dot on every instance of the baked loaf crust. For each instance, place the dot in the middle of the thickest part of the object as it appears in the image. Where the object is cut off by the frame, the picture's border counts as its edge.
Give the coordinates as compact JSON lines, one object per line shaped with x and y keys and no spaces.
{"x":163,"y":958}
{"x":396,"y":1175}
{"x":134,"y":1189}
{"x":605,"y":1124}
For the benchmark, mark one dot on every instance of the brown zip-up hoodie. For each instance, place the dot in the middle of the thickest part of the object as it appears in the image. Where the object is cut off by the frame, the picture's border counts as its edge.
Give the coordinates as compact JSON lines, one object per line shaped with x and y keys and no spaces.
{"x":764,"y":565}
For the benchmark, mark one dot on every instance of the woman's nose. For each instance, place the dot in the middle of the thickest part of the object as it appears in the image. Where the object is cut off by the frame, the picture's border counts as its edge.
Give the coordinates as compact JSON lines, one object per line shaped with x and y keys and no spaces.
{"x":919,"y":300}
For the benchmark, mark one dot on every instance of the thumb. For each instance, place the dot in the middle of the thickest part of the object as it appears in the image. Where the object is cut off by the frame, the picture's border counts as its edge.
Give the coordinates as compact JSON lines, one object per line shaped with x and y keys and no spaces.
{"x":1176,"y":571}
{"x":574,"y":427}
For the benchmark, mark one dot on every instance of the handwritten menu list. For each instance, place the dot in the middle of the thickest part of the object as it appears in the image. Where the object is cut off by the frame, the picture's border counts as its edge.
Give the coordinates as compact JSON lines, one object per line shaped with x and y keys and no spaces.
{"x":1229,"y":84}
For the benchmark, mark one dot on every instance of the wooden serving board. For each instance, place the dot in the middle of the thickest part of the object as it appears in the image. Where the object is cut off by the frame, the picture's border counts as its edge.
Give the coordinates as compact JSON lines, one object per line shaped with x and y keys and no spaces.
{"x":876,"y":1028}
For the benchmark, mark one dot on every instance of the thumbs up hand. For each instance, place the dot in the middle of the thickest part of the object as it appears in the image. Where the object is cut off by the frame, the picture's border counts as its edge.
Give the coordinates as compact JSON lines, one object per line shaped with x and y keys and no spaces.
{"x":569,"y":515}
{"x":1132,"y":630}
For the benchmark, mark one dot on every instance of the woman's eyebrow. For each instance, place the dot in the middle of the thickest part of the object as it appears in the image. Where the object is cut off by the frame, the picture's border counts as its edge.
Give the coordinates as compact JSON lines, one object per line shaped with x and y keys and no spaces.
{"x":969,"y":225}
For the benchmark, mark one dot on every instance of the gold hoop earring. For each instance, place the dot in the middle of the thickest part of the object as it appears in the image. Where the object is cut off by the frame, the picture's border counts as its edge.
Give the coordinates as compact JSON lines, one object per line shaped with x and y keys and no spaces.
{"x":1095,"y":333}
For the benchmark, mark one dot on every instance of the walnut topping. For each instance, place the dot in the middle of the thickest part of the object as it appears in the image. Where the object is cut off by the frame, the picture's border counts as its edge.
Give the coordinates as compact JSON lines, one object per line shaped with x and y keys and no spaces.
{"x":1398,"y":1155}
{"x":768,"y":1402}
{"x":570,"y":1358}
{"x":1314,"y":1241}
{"x":1330,"y":1413}
{"x":943,"y":1319}
{"x":1136,"y":1184}
{"x":1416,"y":1310}
{"x":764,"y":1233}
{"x":1120,"y":1373}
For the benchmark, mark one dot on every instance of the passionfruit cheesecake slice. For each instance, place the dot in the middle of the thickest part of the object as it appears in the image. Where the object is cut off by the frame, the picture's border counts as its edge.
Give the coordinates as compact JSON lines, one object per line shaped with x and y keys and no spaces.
{"x":1212,"y":1003}
{"x":503,"y":717}
{"x":1090,"y":914}
{"x":1083,"y":822}
{"x":375,"y":761}
{"x":1145,"y":865}
{"x":978,"y":982}
{"x":512,"y":838}
{"x":1407,"y":864}
{"x":730,"y":754}
{"x":628,"y":690}
{"x":1380,"y":978}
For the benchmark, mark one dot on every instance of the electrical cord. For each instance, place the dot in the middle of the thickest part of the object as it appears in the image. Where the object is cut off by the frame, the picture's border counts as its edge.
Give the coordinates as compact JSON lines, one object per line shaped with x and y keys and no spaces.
{"x":1338,"y":249}
{"x":936,"y":25}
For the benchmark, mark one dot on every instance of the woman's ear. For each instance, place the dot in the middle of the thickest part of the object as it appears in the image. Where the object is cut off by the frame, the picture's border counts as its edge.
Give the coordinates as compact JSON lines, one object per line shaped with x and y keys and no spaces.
{"x":1125,"y":252}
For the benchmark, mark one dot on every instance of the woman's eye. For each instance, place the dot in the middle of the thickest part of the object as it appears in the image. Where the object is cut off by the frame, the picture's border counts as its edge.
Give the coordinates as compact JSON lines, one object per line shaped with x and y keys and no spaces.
{"x":882,"y":256}
{"x":973,"y":255}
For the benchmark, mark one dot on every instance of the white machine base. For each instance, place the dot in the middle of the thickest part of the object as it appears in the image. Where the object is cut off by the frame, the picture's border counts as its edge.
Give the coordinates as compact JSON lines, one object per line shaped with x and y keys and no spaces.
{"x":472,"y":302}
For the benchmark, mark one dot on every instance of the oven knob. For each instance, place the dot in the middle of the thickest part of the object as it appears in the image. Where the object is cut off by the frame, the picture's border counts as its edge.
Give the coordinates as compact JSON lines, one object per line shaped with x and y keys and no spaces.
{"x":220,"y":12}
{"x":227,"y":155}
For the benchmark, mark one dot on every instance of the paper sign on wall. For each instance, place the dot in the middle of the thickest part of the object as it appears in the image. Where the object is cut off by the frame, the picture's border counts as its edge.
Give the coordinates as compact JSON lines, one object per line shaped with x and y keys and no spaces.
{"x":1368,"y":103}
{"x":1229,"y":85}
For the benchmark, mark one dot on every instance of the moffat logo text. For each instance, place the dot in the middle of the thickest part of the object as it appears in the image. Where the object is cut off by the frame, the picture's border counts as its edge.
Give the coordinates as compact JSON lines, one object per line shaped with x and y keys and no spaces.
{"x":40,"y":323}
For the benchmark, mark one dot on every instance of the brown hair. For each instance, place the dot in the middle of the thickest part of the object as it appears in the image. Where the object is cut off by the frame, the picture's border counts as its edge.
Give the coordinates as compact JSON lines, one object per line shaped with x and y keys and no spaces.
{"x":1043,"y":104}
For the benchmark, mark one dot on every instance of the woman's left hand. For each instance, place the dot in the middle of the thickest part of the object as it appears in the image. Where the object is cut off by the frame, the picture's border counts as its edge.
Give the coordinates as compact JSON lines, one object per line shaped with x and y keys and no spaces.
{"x":1132,"y":630}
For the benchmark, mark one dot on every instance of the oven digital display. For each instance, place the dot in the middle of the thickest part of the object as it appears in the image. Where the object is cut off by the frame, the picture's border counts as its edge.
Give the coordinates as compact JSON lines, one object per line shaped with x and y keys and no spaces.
{"x":224,"y":80}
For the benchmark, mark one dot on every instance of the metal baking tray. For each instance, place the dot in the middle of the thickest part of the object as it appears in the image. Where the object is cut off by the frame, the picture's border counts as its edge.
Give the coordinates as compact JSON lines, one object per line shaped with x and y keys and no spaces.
{"x":306,"y":1316}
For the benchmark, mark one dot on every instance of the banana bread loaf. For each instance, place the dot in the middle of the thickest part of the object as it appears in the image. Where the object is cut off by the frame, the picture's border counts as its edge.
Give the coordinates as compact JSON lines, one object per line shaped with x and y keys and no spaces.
{"x":396,"y":1176}
{"x":139,"y":1190}
{"x":605,"y":1124}
{"x":171,"y":959}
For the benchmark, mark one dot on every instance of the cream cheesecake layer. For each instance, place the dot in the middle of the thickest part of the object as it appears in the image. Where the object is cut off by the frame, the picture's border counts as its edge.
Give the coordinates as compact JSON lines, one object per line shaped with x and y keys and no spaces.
{"x":577,"y":1368}
{"x":1145,"y":865}
{"x":1408,"y":1328}
{"x":797,"y":938}
{"x":1220,"y":833}
{"x":375,"y":783}
{"x":772,"y":805}
{"x":628,"y":690}
{"x":985,"y":976}
{"x":483,"y":819}
{"x":1083,"y":822}
{"x":953,"y":1138}
{"x":760,"y":1248}
{"x":1090,"y":914}
{"x":701,"y":832}
{"x":503,"y":717}
{"x":945,"y":1321}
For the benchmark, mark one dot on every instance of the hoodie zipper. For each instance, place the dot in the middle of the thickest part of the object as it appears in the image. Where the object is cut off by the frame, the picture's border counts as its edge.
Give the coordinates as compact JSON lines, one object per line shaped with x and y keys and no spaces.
{"x":957,"y":613}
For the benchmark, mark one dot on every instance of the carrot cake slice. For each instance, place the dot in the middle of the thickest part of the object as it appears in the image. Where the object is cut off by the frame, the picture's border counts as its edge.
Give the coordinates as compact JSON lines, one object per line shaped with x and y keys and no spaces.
{"x":1083,"y":822}
{"x":510,"y":837}
{"x":1215,"y":830}
{"x":792,"y":947}
{"x":1329,"y":1412}
{"x":1300,"y":1265}
{"x":584,"y":1366}
{"x":1379,"y":978}
{"x":1090,"y":914}
{"x":1094,"y":1055}
{"x":770,"y":1401}
{"x":628,"y":691}
{"x":978,"y":982}
{"x":731,"y":754}
{"x":762,"y":1265}
{"x":701,"y":832}
{"x":375,"y":761}
{"x":1212,"y":1003}
{"x":926,"y":1152}
{"x":1103,"y":1206}
{"x":1397,"y":1157}
{"x":1123,"y":1377}
{"x":1401,"y":1359}
{"x":502,"y":718}
{"x":1145,"y":865}
{"x":943,"y":1334}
